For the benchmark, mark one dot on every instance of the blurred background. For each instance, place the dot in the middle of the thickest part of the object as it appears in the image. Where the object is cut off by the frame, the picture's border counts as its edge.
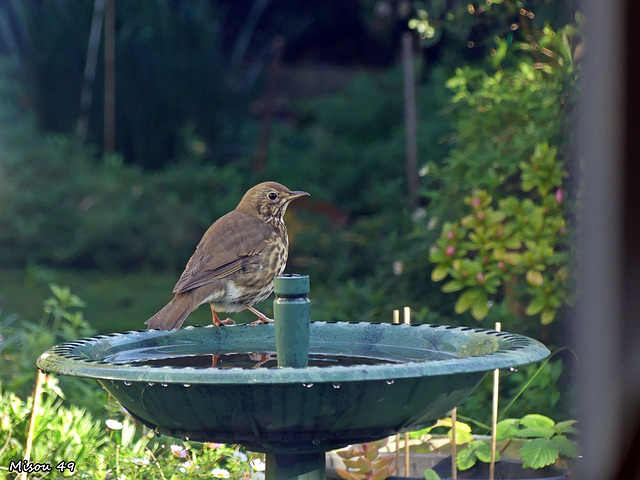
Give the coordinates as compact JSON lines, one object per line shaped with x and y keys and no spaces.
{"x":435,"y":139}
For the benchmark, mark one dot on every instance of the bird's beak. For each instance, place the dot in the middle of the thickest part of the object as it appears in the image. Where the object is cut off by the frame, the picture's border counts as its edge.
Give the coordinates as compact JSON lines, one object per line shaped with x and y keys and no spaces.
{"x":297,"y":194}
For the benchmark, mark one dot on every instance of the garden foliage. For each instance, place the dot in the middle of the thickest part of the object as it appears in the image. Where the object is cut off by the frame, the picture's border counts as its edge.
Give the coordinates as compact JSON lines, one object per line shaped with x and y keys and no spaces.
{"x":79,"y":431}
{"x":502,"y":195}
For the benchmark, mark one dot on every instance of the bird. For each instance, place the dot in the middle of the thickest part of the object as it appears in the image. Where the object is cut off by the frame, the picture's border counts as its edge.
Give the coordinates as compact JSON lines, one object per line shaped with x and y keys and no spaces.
{"x":235,"y":264}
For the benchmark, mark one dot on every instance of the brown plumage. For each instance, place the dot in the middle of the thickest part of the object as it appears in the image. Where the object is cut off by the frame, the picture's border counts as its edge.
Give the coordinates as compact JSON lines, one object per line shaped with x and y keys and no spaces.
{"x":236,"y":261}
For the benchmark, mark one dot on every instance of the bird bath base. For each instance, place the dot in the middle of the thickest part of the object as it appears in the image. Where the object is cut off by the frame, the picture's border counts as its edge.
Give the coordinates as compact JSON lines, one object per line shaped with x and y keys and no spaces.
{"x":396,"y":378}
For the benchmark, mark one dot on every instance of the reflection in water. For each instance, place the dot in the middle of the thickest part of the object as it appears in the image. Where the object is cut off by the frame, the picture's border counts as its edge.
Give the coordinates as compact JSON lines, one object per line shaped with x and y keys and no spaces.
{"x":255,"y":360}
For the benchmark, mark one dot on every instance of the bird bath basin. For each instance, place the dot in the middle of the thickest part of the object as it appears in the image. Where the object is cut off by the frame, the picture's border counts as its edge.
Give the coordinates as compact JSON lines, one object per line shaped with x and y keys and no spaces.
{"x":361,"y":382}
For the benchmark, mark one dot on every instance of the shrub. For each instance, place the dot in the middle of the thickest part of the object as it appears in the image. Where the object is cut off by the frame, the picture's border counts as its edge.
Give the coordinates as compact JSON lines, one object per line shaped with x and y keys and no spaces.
{"x":501,"y":197}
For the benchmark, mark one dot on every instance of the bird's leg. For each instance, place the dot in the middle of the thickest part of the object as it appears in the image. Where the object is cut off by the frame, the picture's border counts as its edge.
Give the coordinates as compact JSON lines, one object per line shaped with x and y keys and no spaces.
{"x":262,"y":318}
{"x":217,"y":321}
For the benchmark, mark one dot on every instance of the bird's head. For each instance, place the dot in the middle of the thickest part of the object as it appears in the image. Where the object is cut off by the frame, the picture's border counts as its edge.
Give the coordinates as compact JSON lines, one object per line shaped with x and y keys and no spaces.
{"x":268,"y":200}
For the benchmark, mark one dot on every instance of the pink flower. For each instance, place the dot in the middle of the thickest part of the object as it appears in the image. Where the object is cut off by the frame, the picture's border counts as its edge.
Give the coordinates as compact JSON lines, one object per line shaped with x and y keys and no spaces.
{"x":475,"y":202}
{"x":501,"y":265}
{"x":450,"y":235}
{"x":480,"y":277}
{"x":559,"y":195}
{"x":450,"y":250}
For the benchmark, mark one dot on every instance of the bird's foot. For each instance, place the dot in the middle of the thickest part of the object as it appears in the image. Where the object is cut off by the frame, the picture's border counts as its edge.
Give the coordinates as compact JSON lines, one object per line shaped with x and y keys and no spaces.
{"x":217,"y":322}
{"x":262,"y":318}
{"x":260,"y":321}
{"x":226,"y":321}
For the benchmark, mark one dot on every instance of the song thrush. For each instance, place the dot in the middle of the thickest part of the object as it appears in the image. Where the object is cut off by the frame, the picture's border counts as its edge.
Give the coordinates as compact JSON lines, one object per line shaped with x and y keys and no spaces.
{"x":236,"y":261}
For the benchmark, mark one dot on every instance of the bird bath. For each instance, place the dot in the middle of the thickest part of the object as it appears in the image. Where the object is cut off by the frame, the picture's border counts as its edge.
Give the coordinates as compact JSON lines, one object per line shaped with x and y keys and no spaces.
{"x":331,"y":384}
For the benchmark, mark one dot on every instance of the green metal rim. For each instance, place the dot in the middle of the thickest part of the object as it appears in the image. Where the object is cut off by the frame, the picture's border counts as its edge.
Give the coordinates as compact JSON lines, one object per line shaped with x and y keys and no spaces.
{"x":86,"y":357}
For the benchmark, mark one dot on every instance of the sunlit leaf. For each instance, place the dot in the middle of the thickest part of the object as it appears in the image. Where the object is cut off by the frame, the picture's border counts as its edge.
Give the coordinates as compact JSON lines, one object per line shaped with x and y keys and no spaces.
{"x":539,"y":453}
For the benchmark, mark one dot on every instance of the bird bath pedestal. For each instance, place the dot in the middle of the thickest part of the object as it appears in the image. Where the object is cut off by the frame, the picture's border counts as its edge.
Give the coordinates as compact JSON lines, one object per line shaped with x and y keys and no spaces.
{"x":294,"y":389}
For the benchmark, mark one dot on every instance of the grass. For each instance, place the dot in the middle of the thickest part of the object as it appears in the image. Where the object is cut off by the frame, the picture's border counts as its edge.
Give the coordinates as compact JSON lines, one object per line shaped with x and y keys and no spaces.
{"x":115,"y":302}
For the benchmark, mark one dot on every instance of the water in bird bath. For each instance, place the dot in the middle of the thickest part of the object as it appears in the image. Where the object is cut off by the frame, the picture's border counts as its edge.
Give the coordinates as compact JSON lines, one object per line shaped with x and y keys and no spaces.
{"x":257,"y":360}
{"x":264,"y":356}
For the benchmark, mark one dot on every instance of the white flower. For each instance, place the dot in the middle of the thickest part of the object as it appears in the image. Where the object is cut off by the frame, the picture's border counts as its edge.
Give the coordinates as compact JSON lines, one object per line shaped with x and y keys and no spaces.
{"x":140,"y":461}
{"x":220,"y":473}
{"x":242,"y":457}
{"x":178,"y":451}
{"x":258,"y":476}
{"x":114,"y":424}
{"x":258,"y":465}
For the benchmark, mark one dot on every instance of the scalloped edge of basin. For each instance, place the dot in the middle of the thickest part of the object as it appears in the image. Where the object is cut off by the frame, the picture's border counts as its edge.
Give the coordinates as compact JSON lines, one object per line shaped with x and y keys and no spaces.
{"x":295,"y":410}
{"x":86,"y":357}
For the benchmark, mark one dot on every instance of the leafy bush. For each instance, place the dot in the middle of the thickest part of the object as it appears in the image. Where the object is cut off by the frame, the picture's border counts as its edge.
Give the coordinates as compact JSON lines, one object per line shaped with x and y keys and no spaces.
{"x":23,"y":341}
{"x":78,"y":428}
{"x":501,"y":197}
{"x":517,"y":250}
{"x":74,"y":442}
{"x":542,"y":441}
{"x":65,"y":207}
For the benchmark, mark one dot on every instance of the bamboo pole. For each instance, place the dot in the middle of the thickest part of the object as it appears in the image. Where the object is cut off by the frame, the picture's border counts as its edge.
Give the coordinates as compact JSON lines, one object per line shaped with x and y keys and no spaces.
{"x":454,"y":445}
{"x":494,"y":416}
{"x":396,"y":320}
{"x":35,"y":406}
{"x":407,"y":321}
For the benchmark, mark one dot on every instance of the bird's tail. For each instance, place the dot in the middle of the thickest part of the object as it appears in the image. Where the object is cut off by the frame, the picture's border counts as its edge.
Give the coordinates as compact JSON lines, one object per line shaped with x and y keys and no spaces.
{"x":173,"y":314}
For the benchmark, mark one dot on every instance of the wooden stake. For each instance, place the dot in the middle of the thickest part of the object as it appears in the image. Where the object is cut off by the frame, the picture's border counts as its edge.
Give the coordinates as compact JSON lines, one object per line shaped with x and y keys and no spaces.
{"x":109,"y":76}
{"x":407,"y":321}
{"x":454,"y":445}
{"x":494,"y":416}
{"x":410,"y":116}
{"x":396,"y":320}
{"x":35,"y":406}
{"x":90,"y":70}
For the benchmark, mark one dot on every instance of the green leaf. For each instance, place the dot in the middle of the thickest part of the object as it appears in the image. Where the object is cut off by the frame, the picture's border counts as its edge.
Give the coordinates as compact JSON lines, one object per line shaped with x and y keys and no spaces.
{"x":507,"y":428}
{"x":534,"y":277}
{"x":566,"y":426}
{"x":548,"y":314}
{"x":480,"y":308}
{"x":430,"y":474}
{"x":536,"y":420}
{"x":452,"y":286}
{"x":535,"y":306}
{"x":463,"y":433}
{"x":539,"y":453}
{"x":466,"y":300}
{"x":566,"y":447}
{"x":466,"y":459}
{"x":439,"y":273}
{"x":483,"y":451}
{"x":536,"y":432}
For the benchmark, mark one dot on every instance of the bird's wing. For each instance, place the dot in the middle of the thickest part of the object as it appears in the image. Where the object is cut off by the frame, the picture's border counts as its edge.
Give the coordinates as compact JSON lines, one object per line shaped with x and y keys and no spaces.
{"x":224,"y":249}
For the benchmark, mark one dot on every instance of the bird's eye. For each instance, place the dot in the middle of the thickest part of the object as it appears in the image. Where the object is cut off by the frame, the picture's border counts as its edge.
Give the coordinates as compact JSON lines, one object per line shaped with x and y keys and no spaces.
{"x":273,"y":195}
